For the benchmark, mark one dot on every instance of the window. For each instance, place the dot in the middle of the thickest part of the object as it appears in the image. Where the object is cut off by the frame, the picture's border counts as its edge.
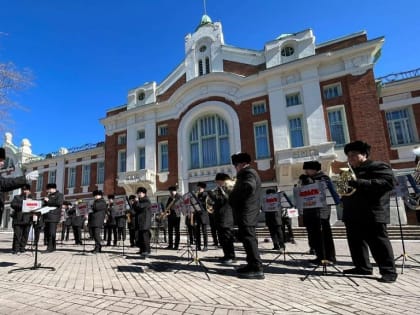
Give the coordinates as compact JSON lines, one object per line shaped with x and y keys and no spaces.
{"x":399,"y":126}
{"x":140,"y":134}
{"x":142,"y":158}
{"x":141,"y":96}
{"x":259,"y":108}
{"x":203,"y":48}
{"x":40,"y":182}
{"x":52,"y":176}
{"x":163,"y":130}
{"x":293,"y":99}
{"x":100,"y":173}
{"x":337,"y":125}
{"x":296,"y":132}
{"x":332,"y":91}
{"x":207,"y":65}
{"x":261,"y":140}
{"x":71,"y":181}
{"x":287,"y":51}
{"x":86,"y":175}
{"x":163,"y":157}
{"x":209,"y":142}
{"x":122,"y":156}
{"x":122,"y":139}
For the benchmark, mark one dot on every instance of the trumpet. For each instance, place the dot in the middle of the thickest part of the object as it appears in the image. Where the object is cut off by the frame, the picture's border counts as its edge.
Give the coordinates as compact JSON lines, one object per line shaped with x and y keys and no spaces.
{"x":347,"y":174}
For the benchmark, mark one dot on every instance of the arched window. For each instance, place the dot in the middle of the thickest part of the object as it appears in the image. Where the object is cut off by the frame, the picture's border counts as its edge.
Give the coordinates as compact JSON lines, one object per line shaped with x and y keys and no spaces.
{"x":209,"y":142}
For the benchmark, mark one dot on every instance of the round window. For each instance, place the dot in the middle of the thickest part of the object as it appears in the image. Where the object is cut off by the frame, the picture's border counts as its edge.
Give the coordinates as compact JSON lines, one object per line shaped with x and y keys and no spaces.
{"x":287,"y":51}
{"x":141,"y":96}
{"x":203,"y":48}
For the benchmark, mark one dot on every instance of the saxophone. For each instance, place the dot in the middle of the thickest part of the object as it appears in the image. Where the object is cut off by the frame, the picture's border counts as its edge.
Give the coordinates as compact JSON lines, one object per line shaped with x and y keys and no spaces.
{"x":167,"y":210}
{"x":346,"y":174}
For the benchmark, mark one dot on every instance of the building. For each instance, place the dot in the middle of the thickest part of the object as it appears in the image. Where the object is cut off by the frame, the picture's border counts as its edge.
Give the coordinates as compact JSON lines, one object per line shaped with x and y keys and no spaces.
{"x":290,"y":102}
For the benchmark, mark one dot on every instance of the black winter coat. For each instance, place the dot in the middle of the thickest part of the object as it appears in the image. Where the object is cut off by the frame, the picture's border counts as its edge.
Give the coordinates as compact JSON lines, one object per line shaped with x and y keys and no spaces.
{"x":54,"y":200}
{"x":20,"y":218}
{"x":202,"y":217}
{"x":371,"y":201}
{"x":142,"y":214}
{"x":76,"y":220}
{"x":223,"y":213}
{"x":245,"y":197}
{"x":97,"y":216}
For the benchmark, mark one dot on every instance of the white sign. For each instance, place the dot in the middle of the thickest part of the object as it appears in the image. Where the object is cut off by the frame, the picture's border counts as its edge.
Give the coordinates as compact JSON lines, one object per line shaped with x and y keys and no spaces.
{"x":272,"y":202}
{"x":311,"y":196}
{"x":29,"y":205}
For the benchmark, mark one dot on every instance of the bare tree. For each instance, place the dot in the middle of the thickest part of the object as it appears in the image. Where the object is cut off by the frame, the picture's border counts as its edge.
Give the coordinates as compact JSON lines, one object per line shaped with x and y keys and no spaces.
{"x":12,"y":80}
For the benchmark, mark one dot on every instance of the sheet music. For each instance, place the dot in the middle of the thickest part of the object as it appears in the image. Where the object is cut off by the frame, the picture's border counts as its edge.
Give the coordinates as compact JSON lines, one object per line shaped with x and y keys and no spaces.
{"x":44,"y":210}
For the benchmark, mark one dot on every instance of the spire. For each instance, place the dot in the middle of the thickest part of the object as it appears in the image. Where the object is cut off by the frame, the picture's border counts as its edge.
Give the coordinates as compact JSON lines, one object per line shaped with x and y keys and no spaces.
{"x":205,"y":19}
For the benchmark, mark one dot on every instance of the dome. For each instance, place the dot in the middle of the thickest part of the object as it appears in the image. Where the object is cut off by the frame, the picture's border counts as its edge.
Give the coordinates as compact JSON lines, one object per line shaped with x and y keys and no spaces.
{"x":205,"y":19}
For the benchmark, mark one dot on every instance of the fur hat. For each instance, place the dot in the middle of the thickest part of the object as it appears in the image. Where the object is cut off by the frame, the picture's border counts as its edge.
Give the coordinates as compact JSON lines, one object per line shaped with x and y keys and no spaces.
{"x":172,"y":188}
{"x":26,"y":187}
{"x":97,"y":193}
{"x":141,"y":189}
{"x":2,"y":154}
{"x":201,"y":185}
{"x":270,"y":191}
{"x":66,"y":203}
{"x":358,"y":146}
{"x":241,"y":158}
{"x":222,"y":176}
{"x":111,"y":197}
{"x":131,"y":197}
{"x":51,"y":185}
{"x":312,"y":165}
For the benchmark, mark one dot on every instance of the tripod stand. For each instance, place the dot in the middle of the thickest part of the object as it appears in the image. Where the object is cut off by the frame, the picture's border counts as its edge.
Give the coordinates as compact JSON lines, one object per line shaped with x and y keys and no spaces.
{"x":404,"y":256}
{"x":36,"y":265}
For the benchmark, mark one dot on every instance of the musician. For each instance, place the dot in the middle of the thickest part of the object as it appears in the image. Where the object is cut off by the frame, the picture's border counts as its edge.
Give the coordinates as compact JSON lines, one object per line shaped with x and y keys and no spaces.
{"x":96,"y":219}
{"x":12,"y":183}
{"x":174,"y":218}
{"x":245,"y":202}
{"x":21,"y":221}
{"x":366,"y":213}
{"x":76,"y":222}
{"x":201,"y":218}
{"x":223,"y":215}
{"x":66,"y":223}
{"x":317,"y":220}
{"x":143,"y":220}
{"x":121,"y":223}
{"x":274,"y":223}
{"x":53,"y":199}
{"x":110,"y":226}
{"x":130,"y":223}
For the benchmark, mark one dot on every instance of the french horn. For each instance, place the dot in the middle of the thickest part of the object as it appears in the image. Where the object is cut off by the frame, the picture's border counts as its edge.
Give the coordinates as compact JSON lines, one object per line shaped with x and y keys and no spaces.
{"x":343,"y":188}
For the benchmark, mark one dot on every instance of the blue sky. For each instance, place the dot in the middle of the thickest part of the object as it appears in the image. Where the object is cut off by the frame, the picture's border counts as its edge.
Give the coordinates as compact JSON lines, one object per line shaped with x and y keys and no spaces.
{"x":86,"y":54}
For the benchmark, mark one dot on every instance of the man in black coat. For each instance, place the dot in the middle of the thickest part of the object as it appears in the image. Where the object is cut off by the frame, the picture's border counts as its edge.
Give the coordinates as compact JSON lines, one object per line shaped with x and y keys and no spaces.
{"x":21,"y":220}
{"x":366,"y":213}
{"x":174,"y":218}
{"x":143,"y":220}
{"x":96,"y":219}
{"x":273,"y":221}
{"x":201,"y":218}
{"x":76,"y":222}
{"x":110,"y":226}
{"x":53,"y":199}
{"x":246,"y":203}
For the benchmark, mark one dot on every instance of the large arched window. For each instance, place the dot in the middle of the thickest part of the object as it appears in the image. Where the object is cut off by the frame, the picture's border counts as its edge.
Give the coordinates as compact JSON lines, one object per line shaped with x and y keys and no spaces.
{"x":209,"y":142}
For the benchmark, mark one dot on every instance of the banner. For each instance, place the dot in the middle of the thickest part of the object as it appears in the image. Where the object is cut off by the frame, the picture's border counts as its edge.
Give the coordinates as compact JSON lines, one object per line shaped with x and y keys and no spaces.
{"x":83,"y":208}
{"x":310,"y":196}
{"x":154,"y":208}
{"x":29,"y":205}
{"x":119,"y":206}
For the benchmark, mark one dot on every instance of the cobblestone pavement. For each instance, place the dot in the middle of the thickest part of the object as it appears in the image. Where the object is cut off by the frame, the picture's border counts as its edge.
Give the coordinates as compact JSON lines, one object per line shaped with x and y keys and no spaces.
{"x":174,"y":282}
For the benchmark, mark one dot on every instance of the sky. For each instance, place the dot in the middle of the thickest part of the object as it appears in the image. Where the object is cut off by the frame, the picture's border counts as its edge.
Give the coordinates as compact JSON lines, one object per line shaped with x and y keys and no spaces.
{"x":85,"y":55}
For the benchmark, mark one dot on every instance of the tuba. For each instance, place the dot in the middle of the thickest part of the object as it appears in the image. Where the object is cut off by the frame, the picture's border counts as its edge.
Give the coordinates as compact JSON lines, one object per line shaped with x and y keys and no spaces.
{"x":347,"y":174}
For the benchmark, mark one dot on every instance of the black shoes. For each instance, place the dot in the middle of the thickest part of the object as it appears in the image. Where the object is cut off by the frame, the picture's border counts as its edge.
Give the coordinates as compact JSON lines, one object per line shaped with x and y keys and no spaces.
{"x":388,"y":278}
{"x":205,"y":249}
{"x":226,"y":260}
{"x":249,"y":272}
{"x":358,"y":271}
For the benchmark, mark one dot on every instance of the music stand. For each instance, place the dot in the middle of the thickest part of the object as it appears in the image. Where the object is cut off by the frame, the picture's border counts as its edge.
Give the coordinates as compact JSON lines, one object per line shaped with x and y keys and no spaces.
{"x":402,"y":191}
{"x":194,"y":205}
{"x":36,"y":265}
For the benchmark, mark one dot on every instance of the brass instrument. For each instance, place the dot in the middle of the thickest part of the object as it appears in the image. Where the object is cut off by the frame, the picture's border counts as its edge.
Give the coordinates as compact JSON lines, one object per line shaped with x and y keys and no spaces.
{"x":223,"y":190}
{"x":167,"y":210}
{"x":347,"y":174}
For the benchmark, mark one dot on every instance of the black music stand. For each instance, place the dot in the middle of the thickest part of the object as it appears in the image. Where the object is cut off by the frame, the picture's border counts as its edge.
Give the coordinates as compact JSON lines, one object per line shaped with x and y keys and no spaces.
{"x":36,"y":265}
{"x":195,"y":204}
{"x":402,"y":191}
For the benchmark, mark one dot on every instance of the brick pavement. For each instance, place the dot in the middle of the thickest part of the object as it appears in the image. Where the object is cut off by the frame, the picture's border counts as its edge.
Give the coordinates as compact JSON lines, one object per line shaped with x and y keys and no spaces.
{"x":170,"y":283}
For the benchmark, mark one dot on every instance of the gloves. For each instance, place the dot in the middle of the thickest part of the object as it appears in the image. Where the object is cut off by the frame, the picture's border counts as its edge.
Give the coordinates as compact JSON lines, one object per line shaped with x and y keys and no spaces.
{"x":32,"y":175}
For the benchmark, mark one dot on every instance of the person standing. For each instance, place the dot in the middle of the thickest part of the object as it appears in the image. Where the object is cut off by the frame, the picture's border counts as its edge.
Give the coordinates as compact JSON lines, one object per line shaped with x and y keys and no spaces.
{"x":366,"y":213}
{"x":317,"y":220}
{"x":274,"y":222}
{"x":66,"y":223}
{"x":245,"y":202}
{"x":76,"y":222}
{"x":21,"y":220}
{"x":110,"y":226}
{"x":223,"y":215}
{"x":143,"y":220}
{"x":96,"y":219}
{"x":121,"y":222}
{"x":53,"y":199}
{"x":130,"y":221}
{"x":174,"y":218}
{"x":201,"y":218}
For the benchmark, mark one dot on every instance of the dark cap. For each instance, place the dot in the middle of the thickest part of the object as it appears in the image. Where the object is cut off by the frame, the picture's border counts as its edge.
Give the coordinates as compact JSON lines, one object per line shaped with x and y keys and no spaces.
{"x":51,"y":185}
{"x":141,"y":189}
{"x":222,"y":176}
{"x":241,"y":158}
{"x":97,"y":193}
{"x":172,"y":188}
{"x":111,"y":197}
{"x":131,"y":197}
{"x":358,"y":146}
{"x":2,"y":154}
{"x":270,"y":191}
{"x":66,"y":203}
{"x":26,"y":187}
{"x":201,"y":185}
{"x":312,"y":165}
